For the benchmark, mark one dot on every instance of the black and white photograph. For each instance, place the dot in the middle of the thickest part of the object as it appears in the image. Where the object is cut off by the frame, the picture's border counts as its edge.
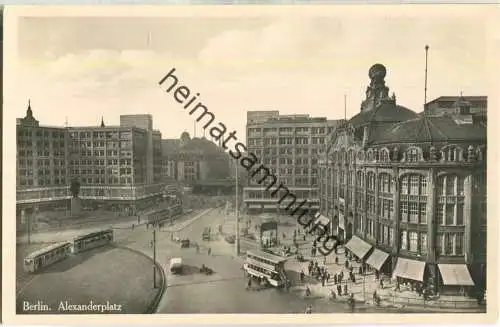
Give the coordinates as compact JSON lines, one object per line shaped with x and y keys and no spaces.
{"x":247,"y":162}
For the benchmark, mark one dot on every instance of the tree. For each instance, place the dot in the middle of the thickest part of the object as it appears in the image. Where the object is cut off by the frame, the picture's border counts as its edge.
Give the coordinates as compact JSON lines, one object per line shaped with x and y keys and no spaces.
{"x":75,"y":187}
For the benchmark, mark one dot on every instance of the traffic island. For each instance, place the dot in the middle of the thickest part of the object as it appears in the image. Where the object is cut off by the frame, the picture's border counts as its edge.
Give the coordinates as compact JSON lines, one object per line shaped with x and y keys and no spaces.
{"x":107,"y":280}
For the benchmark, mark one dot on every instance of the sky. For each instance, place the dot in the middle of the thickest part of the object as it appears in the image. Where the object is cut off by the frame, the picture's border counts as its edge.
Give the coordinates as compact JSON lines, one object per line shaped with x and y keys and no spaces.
{"x":81,"y":68}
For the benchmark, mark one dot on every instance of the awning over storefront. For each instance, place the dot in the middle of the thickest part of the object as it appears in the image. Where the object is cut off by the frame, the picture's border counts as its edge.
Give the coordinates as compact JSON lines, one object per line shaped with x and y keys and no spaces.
{"x":357,"y":246}
{"x":410,"y":269}
{"x":455,"y":274}
{"x":254,"y":206}
{"x":377,"y":258}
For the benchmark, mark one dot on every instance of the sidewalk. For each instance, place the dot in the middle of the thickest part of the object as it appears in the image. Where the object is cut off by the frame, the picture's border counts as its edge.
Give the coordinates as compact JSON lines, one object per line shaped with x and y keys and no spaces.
{"x":363,"y":288}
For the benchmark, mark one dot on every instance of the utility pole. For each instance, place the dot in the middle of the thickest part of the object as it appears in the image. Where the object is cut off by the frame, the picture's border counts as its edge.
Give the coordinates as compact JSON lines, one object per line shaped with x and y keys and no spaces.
{"x":363,"y":271}
{"x":29,"y":228}
{"x":237,"y":238}
{"x":425,"y":87}
{"x":154,"y":257}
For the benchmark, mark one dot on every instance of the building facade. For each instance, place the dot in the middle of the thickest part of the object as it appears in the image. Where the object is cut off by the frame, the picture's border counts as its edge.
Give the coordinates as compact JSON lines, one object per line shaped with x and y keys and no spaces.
{"x":118,"y":167}
{"x":289,"y":146}
{"x":446,"y":105}
{"x":407,"y":192}
{"x":198,"y":164}
{"x":42,"y":165}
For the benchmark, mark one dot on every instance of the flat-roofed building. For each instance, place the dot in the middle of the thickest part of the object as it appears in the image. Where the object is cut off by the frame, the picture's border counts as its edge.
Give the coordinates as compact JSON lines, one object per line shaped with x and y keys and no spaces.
{"x":289,"y":146}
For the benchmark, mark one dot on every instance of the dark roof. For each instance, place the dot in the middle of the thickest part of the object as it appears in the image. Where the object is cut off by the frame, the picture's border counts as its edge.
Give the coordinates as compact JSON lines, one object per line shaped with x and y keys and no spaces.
{"x":433,"y":129}
{"x":169,"y":146}
{"x":386,"y":112}
{"x":454,"y":98}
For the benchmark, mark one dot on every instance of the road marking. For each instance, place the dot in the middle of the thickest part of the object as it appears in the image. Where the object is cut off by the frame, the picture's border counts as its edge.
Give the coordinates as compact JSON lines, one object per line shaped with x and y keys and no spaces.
{"x":26,"y":285}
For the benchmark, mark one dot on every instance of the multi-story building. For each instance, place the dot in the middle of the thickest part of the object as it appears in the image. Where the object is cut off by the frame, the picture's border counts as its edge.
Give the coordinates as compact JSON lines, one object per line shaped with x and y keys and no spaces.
{"x":289,"y":146}
{"x":197,"y":163}
{"x":446,"y":105}
{"x":117,"y":166}
{"x":42,"y":171}
{"x":408,"y":192}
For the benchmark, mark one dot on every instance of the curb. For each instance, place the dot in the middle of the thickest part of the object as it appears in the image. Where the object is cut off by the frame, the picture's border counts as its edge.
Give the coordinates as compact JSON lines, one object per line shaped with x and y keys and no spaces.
{"x":162,"y":287}
{"x":189,"y":222}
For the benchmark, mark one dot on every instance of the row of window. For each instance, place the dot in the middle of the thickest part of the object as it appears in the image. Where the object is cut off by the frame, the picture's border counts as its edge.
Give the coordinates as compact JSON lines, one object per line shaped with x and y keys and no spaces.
{"x":39,"y":133}
{"x":41,"y":153}
{"x":265,"y":130}
{"x":40,"y":144}
{"x":42,"y":181}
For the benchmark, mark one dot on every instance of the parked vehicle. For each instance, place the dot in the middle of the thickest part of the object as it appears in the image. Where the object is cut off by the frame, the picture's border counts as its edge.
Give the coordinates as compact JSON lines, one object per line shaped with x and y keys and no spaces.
{"x":176,"y":266}
{"x":205,"y":236}
{"x":230,"y":239}
{"x":185,"y":243}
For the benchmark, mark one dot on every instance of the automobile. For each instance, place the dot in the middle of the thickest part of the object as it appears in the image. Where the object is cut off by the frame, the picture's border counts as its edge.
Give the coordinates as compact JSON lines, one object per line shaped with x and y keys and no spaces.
{"x":185,"y":243}
{"x":205,"y":236}
{"x":230,"y":239}
{"x":176,"y":266}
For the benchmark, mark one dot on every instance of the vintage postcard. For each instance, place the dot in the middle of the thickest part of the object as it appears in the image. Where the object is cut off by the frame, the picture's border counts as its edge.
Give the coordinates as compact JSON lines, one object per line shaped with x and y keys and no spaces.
{"x":298,"y":164}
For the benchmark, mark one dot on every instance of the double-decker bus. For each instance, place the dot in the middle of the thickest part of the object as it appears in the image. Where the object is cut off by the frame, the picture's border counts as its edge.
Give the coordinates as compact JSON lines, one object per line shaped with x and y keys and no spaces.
{"x":46,"y":256}
{"x":92,"y":240}
{"x":265,"y":265}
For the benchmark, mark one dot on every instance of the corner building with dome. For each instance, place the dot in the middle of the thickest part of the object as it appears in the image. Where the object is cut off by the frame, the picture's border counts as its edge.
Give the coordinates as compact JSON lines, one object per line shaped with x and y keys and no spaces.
{"x":407,"y":192}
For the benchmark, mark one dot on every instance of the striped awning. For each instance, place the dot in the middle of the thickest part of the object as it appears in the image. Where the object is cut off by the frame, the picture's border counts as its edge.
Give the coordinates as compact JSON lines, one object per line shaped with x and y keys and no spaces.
{"x":410,"y":269}
{"x":455,"y":274}
{"x":359,"y":247}
{"x":377,"y":259}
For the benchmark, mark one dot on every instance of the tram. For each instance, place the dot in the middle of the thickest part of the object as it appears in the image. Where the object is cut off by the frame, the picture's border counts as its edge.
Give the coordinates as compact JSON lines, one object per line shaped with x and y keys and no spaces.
{"x":92,"y":240}
{"x":46,"y":256}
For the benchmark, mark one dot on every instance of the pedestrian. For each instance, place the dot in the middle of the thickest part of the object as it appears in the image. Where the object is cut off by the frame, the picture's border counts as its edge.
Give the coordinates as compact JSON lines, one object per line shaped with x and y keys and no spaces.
{"x":304,"y":237}
{"x":382,"y":283}
{"x":308,"y":291}
{"x":353,"y":279}
{"x":360,"y":270}
{"x":336,"y":260}
{"x":334,"y":296}
{"x":335,"y":279}
{"x":346,"y":264}
{"x":345,"y":288}
{"x":341,"y":276}
{"x":327,"y":277}
{"x":308,"y":309}
{"x":209,"y":251}
{"x":339,"y":289}
{"x":302,"y":276}
{"x":323,"y":281}
{"x":324,"y":260}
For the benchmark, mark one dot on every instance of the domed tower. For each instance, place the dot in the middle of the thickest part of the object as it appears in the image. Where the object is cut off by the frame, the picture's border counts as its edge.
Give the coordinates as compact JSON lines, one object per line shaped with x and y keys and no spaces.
{"x":376,"y":91}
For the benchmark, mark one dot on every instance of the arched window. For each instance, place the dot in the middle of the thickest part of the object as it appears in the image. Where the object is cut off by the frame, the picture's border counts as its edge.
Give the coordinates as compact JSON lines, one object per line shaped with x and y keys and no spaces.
{"x":361,"y":155}
{"x":369,"y":155}
{"x":413,"y":154}
{"x":384,"y":155}
{"x":370,"y":181}
{"x":359,"y":179}
{"x":351,"y":156}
